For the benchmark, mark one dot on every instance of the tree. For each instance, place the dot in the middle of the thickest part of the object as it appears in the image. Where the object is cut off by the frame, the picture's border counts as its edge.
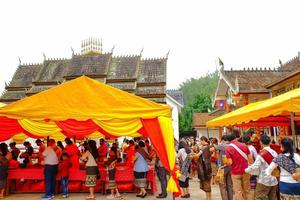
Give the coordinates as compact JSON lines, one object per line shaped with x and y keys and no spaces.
{"x":198,"y":94}
{"x":200,"y":103}
{"x":204,"y":85}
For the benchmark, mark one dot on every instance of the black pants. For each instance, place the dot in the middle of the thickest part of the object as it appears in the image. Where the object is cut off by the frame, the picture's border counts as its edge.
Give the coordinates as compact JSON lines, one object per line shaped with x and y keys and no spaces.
{"x":50,"y":172}
{"x":162,"y":176}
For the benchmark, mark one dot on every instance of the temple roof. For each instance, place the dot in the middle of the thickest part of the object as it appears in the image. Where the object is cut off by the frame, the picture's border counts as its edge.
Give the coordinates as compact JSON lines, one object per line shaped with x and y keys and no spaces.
{"x":291,"y":65}
{"x":255,"y":80}
{"x":249,"y":81}
{"x":144,"y":77}
{"x":176,"y":95}
{"x":153,"y":71}
{"x":283,"y":78}
{"x":88,"y":65}
{"x":222,"y":88}
{"x":24,"y":75}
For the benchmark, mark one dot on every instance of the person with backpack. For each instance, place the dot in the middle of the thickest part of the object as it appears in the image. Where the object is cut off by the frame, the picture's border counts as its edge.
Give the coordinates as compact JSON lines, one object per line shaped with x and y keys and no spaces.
{"x":225,"y":184}
{"x":289,"y":163}
{"x":238,"y":157}
{"x":266,"y":184}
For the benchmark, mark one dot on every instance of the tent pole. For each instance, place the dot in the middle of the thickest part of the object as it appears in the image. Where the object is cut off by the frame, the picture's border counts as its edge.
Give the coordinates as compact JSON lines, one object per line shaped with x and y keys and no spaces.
{"x":207,"y":133}
{"x":275,"y":134}
{"x":293,"y":127}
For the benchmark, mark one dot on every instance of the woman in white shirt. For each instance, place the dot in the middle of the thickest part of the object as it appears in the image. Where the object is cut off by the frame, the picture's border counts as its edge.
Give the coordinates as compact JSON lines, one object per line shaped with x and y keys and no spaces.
{"x":288,"y":162}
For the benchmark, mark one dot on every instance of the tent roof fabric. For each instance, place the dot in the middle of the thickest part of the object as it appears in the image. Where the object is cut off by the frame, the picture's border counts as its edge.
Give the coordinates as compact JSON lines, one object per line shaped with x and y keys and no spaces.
{"x":280,"y":105}
{"x":81,"y":99}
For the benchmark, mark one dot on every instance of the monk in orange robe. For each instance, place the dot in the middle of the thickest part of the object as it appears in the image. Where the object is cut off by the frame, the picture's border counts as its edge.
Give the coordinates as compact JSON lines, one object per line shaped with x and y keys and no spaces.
{"x":102,"y":150}
{"x":73,"y":152}
{"x":130,"y":154}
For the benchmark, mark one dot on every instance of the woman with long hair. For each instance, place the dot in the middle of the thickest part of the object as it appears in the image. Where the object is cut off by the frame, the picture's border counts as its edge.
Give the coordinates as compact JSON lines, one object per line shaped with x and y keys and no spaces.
{"x":288,"y":162}
{"x":60,"y":145}
{"x":184,"y":164}
{"x":140,"y":169}
{"x":213,"y":159}
{"x":114,"y":157}
{"x":205,"y":169}
{"x":90,"y":157}
{"x":194,"y":165}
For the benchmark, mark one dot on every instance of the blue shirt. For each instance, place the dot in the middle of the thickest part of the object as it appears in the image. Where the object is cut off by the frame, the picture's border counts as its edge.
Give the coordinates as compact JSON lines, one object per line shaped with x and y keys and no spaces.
{"x":140,"y":164}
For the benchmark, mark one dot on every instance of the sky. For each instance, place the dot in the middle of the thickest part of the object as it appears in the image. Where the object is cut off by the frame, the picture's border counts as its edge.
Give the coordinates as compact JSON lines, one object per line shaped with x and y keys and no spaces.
{"x":242,"y":33}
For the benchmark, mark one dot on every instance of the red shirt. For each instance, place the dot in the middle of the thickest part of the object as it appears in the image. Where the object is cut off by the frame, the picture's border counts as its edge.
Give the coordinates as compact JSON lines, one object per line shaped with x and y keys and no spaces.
{"x":64,"y":168}
{"x":102,"y":151}
{"x":130,"y":155}
{"x":239,"y":163}
{"x":73,"y":153}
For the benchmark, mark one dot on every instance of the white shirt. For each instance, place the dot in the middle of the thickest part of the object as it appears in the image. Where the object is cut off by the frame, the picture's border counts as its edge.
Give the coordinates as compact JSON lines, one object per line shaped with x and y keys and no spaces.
{"x":91,"y":162}
{"x":182,"y":154}
{"x":252,"y":151}
{"x":259,"y":167}
{"x":285,"y":176}
{"x":50,"y":156}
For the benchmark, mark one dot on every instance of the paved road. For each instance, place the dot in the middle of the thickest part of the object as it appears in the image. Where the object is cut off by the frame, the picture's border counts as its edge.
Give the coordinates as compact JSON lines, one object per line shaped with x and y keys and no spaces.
{"x":196,"y":194}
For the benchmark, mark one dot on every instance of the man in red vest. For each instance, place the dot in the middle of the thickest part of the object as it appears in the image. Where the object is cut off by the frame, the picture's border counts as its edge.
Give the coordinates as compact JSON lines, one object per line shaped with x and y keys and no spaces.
{"x":238,"y":157}
{"x":266,"y":185}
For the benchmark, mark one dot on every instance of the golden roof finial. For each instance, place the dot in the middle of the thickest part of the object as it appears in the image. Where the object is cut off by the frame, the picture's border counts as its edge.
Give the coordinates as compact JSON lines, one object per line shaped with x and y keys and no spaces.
{"x":91,"y":46}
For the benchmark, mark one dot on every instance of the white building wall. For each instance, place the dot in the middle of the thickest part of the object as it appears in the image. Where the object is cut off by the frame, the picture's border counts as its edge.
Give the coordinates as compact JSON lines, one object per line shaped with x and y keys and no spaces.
{"x":207,"y":133}
{"x":175,"y":117}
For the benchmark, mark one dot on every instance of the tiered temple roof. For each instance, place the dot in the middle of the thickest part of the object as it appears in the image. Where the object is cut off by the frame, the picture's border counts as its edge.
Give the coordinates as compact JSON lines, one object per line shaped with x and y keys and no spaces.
{"x":144,"y":77}
{"x":252,"y":80}
{"x":255,"y":80}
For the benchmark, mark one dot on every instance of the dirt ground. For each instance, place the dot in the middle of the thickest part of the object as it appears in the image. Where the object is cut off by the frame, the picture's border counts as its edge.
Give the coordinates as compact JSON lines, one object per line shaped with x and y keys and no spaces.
{"x":195,"y":192}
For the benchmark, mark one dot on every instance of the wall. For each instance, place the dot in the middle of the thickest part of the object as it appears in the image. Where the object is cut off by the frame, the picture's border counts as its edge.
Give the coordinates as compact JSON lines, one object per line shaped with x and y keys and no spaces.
{"x":211,"y":132}
{"x":175,"y":117}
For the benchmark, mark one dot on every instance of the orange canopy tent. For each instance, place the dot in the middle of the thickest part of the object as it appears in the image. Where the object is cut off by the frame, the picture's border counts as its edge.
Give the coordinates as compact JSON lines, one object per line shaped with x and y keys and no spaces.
{"x":86,"y":108}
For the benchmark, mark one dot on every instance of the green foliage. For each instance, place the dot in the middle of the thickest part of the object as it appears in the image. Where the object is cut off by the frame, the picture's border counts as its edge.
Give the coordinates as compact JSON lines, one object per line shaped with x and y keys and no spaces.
{"x":198,"y":95}
{"x":204,"y":85}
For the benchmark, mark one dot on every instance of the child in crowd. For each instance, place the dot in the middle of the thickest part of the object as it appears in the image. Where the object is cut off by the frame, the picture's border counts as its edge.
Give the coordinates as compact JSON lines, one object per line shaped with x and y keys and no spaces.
{"x":64,"y":169}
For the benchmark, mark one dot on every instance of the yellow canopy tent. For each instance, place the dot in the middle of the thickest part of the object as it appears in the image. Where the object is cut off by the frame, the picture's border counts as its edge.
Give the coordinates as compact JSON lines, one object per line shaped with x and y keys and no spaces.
{"x":286,"y":105}
{"x":281,"y":105}
{"x":84,"y":107}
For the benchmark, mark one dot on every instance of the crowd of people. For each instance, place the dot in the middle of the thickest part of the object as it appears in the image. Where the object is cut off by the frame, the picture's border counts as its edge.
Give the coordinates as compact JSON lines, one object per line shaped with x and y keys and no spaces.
{"x":245,"y":167}
{"x":59,"y":159}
